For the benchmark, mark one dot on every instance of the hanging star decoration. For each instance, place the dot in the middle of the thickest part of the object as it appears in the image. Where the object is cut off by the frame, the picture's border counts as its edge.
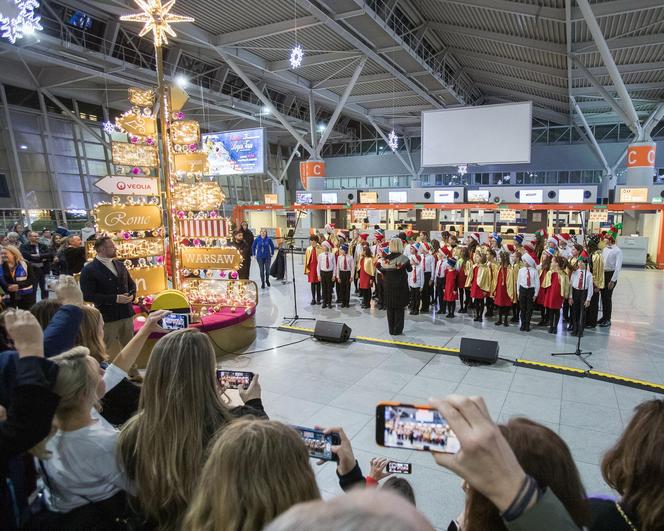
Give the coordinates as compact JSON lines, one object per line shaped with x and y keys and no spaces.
{"x":296,"y":56}
{"x":157,"y":19}
{"x":462,"y":169}
{"x":393,"y":140}
{"x":18,"y":19}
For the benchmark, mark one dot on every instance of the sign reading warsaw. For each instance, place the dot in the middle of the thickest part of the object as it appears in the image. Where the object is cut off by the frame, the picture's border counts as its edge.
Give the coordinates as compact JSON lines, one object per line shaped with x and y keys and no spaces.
{"x":112,"y":218}
{"x":120,"y":185}
{"x":210,"y":258}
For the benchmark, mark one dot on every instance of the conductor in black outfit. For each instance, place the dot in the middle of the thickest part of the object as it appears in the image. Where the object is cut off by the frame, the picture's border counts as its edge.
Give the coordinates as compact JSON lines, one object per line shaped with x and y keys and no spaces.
{"x":395,"y":267}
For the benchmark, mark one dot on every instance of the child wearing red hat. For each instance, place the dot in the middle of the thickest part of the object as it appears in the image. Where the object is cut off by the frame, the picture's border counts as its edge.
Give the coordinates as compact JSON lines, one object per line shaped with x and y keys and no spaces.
{"x":450,"y":294}
{"x":556,"y":283}
{"x":544,"y":267}
{"x":366,"y":273}
{"x":311,"y":268}
{"x":480,"y":284}
{"x":503,"y":288}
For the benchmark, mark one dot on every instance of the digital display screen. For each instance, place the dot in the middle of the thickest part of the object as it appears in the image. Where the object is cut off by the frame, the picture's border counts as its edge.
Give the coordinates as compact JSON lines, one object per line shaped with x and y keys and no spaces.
{"x":570,"y":195}
{"x":235,"y":152}
{"x":304,"y":198}
{"x":398,"y":197}
{"x":328,"y":198}
{"x":530,"y":196}
{"x":80,"y":20}
{"x":443,"y":196}
{"x":368,"y":197}
{"x":633,"y":195}
{"x":418,"y":429}
{"x":478,"y":196}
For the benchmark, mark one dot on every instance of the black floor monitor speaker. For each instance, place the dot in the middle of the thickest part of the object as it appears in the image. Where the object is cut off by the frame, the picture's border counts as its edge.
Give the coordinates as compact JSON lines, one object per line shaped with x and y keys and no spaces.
{"x":332,"y":332}
{"x":478,"y":351}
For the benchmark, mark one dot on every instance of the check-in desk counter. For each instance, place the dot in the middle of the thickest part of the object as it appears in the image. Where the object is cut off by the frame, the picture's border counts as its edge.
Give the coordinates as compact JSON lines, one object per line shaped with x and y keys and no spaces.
{"x":634,"y":248}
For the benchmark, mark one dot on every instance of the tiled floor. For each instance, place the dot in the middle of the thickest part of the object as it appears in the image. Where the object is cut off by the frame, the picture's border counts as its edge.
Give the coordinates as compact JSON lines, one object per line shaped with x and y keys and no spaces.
{"x":338,"y":385}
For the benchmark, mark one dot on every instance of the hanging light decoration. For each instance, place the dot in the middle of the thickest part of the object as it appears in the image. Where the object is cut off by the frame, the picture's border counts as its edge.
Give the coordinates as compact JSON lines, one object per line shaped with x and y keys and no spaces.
{"x":18,"y":19}
{"x":156,"y":19}
{"x":296,"y":56}
{"x":393,"y":140}
{"x":462,"y":169}
{"x":109,"y":128}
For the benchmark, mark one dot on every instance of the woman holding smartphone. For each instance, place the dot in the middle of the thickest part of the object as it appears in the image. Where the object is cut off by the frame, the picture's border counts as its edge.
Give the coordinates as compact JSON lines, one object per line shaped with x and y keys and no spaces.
{"x":395,"y":267}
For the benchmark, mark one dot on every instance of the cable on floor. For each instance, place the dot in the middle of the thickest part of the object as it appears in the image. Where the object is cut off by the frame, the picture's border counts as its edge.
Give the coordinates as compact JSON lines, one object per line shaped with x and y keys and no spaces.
{"x":260,"y":350}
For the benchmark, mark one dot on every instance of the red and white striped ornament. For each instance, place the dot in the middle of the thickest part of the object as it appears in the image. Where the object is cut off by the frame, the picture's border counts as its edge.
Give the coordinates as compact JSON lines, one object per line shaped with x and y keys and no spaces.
{"x":203,"y":227}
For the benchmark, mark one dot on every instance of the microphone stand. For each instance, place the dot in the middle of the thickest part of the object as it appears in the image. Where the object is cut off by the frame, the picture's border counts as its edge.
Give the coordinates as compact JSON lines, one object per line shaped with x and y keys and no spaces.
{"x":578,"y":352}
{"x":291,"y":247}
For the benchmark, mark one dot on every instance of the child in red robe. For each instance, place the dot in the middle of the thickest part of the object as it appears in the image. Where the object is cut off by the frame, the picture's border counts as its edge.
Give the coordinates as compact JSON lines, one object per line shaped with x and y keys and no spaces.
{"x":311,"y":268}
{"x":450,"y":294}
{"x":557,"y":291}
{"x":544,"y":267}
{"x":504,"y":289}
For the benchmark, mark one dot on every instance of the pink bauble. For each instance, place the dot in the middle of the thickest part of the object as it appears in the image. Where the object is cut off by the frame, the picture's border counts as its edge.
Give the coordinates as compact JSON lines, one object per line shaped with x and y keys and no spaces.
{"x":134,"y":140}
{"x":181,"y":214}
{"x":135,"y":171}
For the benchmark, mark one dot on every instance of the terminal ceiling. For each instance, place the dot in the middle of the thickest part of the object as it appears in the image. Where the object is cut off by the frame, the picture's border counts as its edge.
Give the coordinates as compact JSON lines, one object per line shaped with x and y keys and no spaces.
{"x":417,"y":55}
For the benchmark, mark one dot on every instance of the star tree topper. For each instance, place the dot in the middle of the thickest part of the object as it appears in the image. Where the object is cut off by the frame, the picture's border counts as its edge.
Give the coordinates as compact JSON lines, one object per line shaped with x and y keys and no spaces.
{"x":157,"y":18}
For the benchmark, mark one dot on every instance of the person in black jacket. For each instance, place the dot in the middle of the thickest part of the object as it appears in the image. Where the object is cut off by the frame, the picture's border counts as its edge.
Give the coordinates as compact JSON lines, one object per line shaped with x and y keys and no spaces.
{"x":248,"y":238}
{"x":395,"y":267}
{"x":106,"y":283}
{"x":245,"y":250}
{"x":33,"y":404}
{"x":39,"y":257}
{"x":73,"y":256}
{"x":17,"y":280}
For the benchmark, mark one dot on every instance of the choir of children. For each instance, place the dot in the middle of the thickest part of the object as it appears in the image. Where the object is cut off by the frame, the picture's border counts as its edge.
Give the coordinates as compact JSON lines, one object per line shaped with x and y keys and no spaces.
{"x":553,"y":274}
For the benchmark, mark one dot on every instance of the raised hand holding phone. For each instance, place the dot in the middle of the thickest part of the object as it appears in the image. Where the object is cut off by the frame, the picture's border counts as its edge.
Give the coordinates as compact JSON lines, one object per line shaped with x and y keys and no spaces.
{"x":252,"y":392}
{"x":378,"y":468}
{"x":485,"y":459}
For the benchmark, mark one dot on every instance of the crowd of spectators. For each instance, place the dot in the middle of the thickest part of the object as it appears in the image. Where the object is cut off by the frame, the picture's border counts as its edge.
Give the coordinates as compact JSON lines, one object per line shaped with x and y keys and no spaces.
{"x":84,"y":448}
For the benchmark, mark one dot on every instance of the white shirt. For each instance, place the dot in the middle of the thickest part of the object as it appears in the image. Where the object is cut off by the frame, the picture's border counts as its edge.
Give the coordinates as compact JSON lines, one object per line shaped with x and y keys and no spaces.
{"x":522,"y":279}
{"x":113,"y":375}
{"x":345,"y":263}
{"x":428,"y":263}
{"x":416,"y":276}
{"x":578,"y":276}
{"x":83,"y":468}
{"x":327,"y":262}
{"x":613,"y":258}
{"x":441,"y":265}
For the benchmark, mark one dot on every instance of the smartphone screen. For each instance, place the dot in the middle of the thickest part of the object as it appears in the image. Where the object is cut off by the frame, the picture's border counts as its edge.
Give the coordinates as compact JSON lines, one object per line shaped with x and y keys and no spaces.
{"x":174,"y":321}
{"x":234,"y":379}
{"x":318,"y":444}
{"x":395,"y":467}
{"x":411,"y":427}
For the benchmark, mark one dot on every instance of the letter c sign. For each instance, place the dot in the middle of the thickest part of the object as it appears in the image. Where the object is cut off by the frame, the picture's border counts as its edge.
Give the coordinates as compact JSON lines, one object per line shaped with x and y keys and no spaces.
{"x":310,"y":169}
{"x":641,"y":156}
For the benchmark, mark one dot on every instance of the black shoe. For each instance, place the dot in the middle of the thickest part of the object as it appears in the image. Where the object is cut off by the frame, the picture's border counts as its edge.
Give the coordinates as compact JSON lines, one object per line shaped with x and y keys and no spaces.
{"x":522,"y":328}
{"x":591,"y":326}
{"x":463,"y":310}
{"x":605,"y":324}
{"x":498,"y":322}
{"x":570,"y":327}
{"x":514,"y":320}
{"x":552,"y":330}
{"x":601,"y":321}
{"x":415,"y":313}
{"x":313,"y":302}
{"x":505,"y":323}
{"x":268,"y":283}
{"x":451,"y":316}
{"x":527,"y":328}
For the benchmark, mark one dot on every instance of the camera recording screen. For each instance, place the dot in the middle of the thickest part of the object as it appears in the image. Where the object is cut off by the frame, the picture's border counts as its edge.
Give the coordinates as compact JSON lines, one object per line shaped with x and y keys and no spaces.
{"x":318,"y":444}
{"x":395,"y":467}
{"x":234,"y":379}
{"x":418,"y":429}
{"x":175,"y":321}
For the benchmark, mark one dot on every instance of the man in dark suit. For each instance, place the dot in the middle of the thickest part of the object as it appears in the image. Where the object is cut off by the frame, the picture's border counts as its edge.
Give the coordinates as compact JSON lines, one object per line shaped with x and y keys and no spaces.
{"x":38,"y":256}
{"x":106,"y":283}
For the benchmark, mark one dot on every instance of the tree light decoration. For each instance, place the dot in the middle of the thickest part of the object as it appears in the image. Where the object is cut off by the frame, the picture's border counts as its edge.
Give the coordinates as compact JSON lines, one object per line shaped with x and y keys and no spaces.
{"x":157,"y":19}
{"x":462,"y":169}
{"x":109,"y":128}
{"x":393,"y":140}
{"x":296,"y":56}
{"x":18,"y":19}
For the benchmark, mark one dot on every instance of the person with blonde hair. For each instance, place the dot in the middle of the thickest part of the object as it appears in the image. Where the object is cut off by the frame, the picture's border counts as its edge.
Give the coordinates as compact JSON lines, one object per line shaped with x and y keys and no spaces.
{"x":263,"y":464}
{"x":395,"y":267}
{"x":91,"y":333}
{"x":17,"y":279}
{"x":163,"y":448}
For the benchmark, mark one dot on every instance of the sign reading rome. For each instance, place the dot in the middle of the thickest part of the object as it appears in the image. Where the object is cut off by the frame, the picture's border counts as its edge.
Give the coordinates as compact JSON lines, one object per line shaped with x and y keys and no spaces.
{"x":210,"y":258}
{"x":115,"y":218}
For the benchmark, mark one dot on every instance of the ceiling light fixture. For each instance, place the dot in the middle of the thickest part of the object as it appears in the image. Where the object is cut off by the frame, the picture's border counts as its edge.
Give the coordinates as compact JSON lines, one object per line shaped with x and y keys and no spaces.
{"x":181,"y":81}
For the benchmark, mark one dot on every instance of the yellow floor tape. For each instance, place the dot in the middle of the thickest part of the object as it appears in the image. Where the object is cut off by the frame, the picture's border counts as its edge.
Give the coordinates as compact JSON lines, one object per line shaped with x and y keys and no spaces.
{"x":536,"y":365}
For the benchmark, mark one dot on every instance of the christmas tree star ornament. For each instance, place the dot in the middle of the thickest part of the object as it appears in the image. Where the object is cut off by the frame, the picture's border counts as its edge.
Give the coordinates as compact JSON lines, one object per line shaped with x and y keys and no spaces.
{"x":393,"y":140}
{"x":156,"y":19}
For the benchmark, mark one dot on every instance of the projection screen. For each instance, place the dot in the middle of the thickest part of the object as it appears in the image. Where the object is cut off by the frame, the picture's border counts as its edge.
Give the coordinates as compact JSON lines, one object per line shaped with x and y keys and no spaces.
{"x":487,"y":134}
